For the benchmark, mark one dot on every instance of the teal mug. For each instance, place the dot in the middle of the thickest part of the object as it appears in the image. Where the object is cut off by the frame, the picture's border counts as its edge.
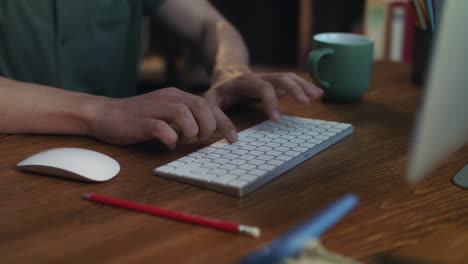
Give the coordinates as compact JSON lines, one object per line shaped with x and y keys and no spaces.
{"x":341,"y":64}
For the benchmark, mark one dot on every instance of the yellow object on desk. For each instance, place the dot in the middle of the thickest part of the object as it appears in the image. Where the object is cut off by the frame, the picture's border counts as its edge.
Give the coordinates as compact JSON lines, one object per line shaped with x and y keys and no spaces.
{"x":316,"y":253}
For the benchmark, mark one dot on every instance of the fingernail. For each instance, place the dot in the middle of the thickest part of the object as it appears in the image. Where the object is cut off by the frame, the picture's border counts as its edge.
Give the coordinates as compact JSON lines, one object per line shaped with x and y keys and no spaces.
{"x":276,"y":116}
{"x":233,"y":136}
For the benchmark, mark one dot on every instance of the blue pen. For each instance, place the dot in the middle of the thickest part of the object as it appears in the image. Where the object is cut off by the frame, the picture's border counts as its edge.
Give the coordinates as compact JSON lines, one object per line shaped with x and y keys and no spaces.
{"x":294,"y":241}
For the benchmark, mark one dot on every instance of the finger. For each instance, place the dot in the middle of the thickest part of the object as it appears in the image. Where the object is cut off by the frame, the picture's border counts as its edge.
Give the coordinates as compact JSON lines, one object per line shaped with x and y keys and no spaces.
{"x":162,"y":131}
{"x":224,"y":125}
{"x":202,"y":114}
{"x":265,"y":91}
{"x":310,"y":89}
{"x":180,"y":115}
{"x":285,"y":82}
{"x":186,"y":121}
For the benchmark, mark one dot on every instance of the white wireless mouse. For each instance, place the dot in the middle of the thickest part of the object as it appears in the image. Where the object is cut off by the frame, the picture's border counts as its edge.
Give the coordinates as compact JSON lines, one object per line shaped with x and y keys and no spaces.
{"x":72,"y":163}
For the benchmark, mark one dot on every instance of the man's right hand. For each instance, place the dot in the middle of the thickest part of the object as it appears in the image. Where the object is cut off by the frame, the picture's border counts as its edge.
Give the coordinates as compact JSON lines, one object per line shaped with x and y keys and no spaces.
{"x":149,"y":116}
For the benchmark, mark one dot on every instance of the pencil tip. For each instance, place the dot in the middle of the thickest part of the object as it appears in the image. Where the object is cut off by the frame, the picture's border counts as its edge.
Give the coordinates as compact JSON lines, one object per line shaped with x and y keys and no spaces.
{"x":86,"y":196}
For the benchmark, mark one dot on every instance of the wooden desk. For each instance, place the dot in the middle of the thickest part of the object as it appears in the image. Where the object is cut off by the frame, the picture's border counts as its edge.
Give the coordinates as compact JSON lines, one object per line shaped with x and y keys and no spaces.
{"x":44,"y":220}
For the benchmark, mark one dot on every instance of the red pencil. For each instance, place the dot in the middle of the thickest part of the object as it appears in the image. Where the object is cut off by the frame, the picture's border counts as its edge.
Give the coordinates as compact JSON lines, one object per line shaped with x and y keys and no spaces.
{"x":195,"y":219}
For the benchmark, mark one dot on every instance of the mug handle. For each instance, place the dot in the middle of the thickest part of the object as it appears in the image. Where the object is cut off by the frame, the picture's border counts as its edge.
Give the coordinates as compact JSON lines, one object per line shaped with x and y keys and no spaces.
{"x":313,"y":60}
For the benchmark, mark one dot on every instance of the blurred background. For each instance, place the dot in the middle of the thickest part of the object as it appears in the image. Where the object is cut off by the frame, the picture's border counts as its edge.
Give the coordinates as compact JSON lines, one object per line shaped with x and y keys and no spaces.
{"x":278,"y":34}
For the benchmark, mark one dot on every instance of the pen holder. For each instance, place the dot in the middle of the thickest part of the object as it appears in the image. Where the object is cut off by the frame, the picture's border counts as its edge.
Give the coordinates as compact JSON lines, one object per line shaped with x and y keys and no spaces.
{"x":422,"y":45}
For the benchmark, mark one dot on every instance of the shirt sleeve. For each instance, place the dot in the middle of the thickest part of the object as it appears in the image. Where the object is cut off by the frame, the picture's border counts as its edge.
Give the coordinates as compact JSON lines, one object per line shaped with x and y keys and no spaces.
{"x":149,"y":6}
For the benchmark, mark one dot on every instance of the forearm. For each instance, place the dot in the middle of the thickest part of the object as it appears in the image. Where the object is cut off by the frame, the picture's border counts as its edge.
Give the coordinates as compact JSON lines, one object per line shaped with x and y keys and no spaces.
{"x":224,"y":49}
{"x":220,"y":44}
{"x":33,"y":108}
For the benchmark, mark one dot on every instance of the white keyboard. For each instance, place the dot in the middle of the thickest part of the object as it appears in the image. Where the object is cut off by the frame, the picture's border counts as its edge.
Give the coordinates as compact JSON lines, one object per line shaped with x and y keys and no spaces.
{"x":262,"y":153}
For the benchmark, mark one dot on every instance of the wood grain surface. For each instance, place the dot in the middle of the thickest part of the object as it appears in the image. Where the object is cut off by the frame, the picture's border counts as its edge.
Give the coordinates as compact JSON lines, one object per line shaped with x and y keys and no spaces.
{"x":44,"y":220}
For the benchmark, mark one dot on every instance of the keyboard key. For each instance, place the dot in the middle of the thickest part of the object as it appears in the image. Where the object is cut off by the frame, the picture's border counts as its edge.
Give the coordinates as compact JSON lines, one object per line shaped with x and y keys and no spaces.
{"x":227,"y":167}
{"x":249,"y":139}
{"x":231,"y":156}
{"x":238,"y":183}
{"x":275,"y":153}
{"x":205,"y":176}
{"x":188,"y":167}
{"x":186,"y":159}
{"x":222,"y":151}
{"x":326,"y":126}
{"x":258,"y":172}
{"x":231,"y":147}
{"x":264,"y":149}
{"x":284,"y":157}
{"x":282,"y":149}
{"x":329,"y":133}
{"x":195,"y":175}
{"x":265,"y":157}
{"x":255,"y":153}
{"x":292,"y":153}
{"x":211,"y":165}
{"x":203,"y":160}
{"x":218,"y":172}
{"x":280,"y":140}
{"x":322,"y":136}
{"x":247,"y":157}
{"x":297,"y":141}
{"x":272,"y":145}
{"x":196,"y":154}
{"x":240,"y":151}
{"x":248,"y":177}
{"x":249,"y":147}
{"x":287,"y":137}
{"x":336,"y":130}
{"x":257,"y":143}
{"x":224,"y":179}
{"x":237,"y":172}
{"x":276,"y":162}
{"x":343,"y":125}
{"x":247,"y":167}
{"x":212,"y":156}
{"x":165,"y":169}
{"x":290,"y":145}
{"x":207,"y":150}
{"x":267,"y":167}
{"x":201,"y":170}
{"x":221,"y":161}
{"x":237,"y":162}
{"x":257,"y":162}
{"x":305,"y":137}
{"x":316,"y":141}
{"x":300,"y":149}
{"x":176,"y":164}
{"x":311,"y":133}
{"x":220,"y":144}
{"x":308,"y":145}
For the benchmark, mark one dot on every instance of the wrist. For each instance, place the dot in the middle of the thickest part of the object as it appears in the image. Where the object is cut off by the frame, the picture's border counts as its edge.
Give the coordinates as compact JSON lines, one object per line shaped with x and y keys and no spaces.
{"x":221,"y":74}
{"x":91,"y":112}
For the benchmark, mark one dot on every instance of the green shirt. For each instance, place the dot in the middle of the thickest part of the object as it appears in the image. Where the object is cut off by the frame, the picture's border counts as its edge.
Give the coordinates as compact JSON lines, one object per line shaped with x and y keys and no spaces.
{"x":88,"y":46}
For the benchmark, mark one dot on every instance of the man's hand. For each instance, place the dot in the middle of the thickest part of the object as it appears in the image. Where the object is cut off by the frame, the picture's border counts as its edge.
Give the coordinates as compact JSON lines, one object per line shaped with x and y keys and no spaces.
{"x":148,"y":116}
{"x":230,"y":88}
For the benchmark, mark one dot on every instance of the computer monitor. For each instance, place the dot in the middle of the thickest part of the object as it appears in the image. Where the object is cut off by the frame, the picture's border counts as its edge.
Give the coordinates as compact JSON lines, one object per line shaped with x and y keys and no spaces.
{"x":442,"y":123}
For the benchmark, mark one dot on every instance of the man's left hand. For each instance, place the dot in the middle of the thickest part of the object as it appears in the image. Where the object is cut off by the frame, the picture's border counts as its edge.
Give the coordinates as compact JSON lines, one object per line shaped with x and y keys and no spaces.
{"x":235,"y":87}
